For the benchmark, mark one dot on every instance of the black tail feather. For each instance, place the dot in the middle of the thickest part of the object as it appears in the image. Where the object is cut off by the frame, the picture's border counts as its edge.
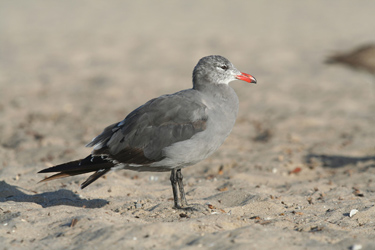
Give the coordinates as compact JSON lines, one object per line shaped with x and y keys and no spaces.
{"x":90,"y":164}
{"x":62,"y":175}
{"x":94,"y":177}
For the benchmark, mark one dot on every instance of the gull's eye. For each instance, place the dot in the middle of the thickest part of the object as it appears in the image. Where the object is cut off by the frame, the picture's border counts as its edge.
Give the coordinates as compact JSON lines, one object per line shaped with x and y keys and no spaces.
{"x":224,"y":67}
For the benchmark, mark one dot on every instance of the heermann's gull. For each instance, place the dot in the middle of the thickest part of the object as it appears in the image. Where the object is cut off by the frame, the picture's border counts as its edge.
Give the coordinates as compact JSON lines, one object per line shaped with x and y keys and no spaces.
{"x":167,"y":133}
{"x":361,"y":58}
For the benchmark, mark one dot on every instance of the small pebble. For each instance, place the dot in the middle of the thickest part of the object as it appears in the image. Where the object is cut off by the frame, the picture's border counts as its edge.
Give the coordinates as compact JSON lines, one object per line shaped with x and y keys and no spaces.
{"x":356,"y":247}
{"x":138,"y":205}
{"x":154,"y":178}
{"x":353,"y":212}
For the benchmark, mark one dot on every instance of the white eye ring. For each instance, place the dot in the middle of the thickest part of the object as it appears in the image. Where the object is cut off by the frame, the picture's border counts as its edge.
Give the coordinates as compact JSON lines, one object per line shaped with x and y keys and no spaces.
{"x":224,"y":67}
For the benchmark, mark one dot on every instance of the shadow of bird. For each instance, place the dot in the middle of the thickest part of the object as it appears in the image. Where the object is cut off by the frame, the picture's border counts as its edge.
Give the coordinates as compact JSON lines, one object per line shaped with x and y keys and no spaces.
{"x":48,"y":199}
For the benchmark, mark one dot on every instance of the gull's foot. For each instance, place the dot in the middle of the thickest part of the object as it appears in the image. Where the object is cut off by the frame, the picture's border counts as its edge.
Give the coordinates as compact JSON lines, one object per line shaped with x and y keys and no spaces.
{"x":194,"y":208}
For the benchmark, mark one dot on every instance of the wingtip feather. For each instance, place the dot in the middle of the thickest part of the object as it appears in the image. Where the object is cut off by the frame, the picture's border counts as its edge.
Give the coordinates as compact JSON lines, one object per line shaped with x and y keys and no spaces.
{"x":55,"y":176}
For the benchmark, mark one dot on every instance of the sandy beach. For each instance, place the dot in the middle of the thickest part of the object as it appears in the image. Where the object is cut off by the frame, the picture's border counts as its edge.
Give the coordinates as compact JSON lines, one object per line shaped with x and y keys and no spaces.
{"x":297,"y":171}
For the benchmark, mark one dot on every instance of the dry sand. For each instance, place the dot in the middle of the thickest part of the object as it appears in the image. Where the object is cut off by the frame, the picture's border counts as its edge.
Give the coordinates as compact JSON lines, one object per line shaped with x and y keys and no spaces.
{"x":300,"y":158}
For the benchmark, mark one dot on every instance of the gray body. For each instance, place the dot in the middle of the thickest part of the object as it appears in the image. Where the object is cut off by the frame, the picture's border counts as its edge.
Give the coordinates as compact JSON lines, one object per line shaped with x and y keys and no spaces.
{"x":220,"y":120}
{"x":206,"y":121}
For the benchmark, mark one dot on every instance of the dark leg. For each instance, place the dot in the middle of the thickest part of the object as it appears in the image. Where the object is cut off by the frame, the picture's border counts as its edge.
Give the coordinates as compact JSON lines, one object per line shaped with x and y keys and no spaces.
{"x":174,"y":187}
{"x":181,"y":187}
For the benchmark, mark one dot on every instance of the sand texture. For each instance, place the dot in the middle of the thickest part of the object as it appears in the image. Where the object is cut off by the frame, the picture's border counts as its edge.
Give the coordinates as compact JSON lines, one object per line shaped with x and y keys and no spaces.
{"x":299,"y":161}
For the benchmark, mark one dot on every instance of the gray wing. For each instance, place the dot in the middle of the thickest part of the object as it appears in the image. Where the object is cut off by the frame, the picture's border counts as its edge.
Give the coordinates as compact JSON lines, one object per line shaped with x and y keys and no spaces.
{"x":141,"y":137}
